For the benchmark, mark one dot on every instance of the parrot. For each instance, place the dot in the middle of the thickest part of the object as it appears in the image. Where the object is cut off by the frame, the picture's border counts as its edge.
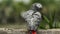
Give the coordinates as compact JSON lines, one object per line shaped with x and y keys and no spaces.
{"x":33,"y":16}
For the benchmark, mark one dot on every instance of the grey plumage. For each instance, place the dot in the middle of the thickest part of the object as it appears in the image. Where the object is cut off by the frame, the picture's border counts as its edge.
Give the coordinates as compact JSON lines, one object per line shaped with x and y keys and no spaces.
{"x":32,"y":16}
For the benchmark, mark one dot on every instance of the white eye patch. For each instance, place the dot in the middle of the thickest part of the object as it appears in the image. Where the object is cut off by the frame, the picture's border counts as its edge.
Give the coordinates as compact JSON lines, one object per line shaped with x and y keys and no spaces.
{"x":39,"y":5}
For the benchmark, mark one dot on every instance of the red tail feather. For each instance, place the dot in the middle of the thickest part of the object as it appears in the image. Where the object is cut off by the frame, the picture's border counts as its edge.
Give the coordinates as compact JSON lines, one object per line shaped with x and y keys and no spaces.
{"x":33,"y":32}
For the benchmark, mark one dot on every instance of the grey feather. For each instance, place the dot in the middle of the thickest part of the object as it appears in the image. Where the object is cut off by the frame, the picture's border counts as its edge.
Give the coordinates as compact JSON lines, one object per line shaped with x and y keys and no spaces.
{"x":32,"y":20}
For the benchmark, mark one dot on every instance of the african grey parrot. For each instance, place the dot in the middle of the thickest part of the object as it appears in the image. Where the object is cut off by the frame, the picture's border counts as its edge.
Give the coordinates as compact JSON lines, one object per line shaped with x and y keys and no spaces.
{"x":33,"y":16}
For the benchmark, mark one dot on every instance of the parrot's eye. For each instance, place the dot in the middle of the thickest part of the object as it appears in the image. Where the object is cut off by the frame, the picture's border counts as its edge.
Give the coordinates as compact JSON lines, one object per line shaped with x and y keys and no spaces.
{"x":38,"y":5}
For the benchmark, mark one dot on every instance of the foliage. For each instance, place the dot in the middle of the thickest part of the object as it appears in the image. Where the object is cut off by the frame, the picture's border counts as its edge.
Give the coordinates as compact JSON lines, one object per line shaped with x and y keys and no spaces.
{"x":51,"y":11}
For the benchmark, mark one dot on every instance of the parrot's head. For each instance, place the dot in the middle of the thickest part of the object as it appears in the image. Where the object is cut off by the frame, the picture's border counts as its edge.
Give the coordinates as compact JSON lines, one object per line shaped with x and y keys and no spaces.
{"x":37,"y":6}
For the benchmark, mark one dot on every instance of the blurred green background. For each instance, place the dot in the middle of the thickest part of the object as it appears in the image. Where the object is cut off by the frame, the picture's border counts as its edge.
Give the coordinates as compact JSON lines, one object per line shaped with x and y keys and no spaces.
{"x":10,"y":11}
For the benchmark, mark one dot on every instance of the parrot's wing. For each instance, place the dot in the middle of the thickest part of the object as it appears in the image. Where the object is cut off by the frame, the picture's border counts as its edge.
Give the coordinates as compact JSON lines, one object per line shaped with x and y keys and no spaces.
{"x":38,"y":14}
{"x":37,"y":18}
{"x":27,"y":14}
